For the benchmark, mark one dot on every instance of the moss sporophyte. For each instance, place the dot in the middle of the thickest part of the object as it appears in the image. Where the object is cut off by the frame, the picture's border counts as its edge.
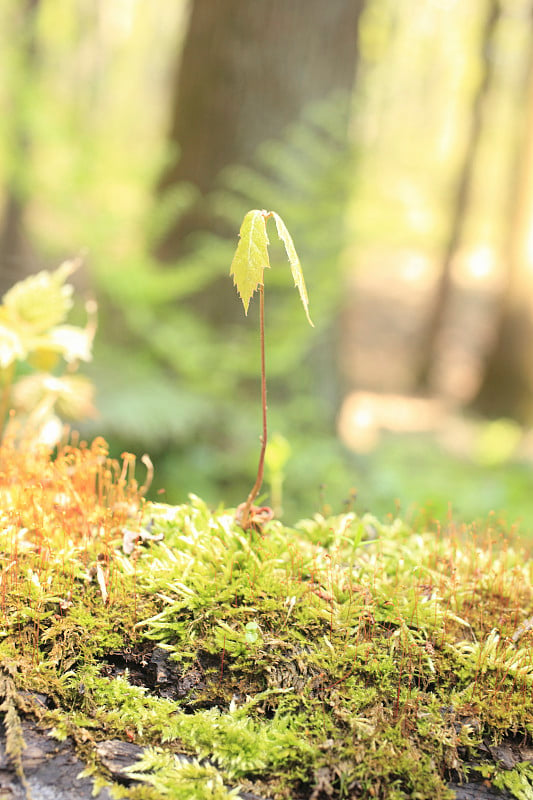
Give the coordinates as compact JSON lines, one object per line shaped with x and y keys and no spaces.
{"x":249,"y":263}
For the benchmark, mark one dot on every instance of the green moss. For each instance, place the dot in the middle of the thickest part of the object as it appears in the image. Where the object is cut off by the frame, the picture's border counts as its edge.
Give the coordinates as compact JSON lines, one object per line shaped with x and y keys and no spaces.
{"x":174,"y":778}
{"x":518,"y":781}
{"x":345,"y":654}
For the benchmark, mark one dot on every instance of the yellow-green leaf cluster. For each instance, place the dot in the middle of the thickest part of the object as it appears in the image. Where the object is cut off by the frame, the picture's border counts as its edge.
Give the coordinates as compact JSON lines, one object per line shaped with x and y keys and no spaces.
{"x":41,"y":301}
{"x":34,"y":333}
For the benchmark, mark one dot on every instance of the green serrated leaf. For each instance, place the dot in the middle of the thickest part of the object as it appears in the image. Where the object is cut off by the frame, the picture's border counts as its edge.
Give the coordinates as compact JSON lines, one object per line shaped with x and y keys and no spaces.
{"x":294,"y":261}
{"x":251,"y":256}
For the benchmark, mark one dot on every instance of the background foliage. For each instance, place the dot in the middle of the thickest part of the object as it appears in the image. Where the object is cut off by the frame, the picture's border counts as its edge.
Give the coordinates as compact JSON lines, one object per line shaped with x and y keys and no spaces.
{"x":88,"y":98}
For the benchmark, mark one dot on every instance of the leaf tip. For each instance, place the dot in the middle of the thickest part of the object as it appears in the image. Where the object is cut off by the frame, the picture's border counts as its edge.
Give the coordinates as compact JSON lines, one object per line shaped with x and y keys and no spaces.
{"x":310,"y":321}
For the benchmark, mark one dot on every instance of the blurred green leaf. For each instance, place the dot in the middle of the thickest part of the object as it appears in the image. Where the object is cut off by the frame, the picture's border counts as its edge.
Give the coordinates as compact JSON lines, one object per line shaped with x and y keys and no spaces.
{"x":497,"y":442}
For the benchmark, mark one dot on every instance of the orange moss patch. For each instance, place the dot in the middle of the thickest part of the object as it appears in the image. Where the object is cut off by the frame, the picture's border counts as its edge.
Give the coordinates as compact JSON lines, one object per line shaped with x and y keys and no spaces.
{"x":63,"y":512}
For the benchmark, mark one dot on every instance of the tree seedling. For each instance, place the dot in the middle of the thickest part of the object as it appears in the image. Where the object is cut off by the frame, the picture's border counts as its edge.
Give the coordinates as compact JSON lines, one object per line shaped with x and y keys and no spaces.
{"x":247,"y":268}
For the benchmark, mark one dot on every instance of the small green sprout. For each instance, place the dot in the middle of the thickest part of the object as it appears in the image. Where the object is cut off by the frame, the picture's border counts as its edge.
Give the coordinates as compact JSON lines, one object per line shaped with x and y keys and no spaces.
{"x":247,"y":268}
{"x":252,"y":632}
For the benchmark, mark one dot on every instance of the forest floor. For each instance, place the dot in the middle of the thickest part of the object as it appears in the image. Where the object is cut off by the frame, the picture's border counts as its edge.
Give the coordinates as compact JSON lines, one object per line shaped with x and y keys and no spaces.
{"x":150,"y":651}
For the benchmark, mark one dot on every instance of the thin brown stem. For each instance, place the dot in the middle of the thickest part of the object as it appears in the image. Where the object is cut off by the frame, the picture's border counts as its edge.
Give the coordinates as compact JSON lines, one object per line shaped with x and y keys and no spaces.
{"x":245,"y":513}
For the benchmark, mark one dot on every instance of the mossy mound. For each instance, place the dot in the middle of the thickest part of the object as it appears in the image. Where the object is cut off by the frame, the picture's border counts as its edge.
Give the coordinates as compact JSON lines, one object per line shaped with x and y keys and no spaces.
{"x":342,"y":658}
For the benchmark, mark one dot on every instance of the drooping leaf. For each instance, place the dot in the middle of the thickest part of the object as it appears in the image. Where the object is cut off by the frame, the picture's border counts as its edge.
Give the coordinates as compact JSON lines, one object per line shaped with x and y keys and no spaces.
{"x":251,"y":256}
{"x":294,"y":261}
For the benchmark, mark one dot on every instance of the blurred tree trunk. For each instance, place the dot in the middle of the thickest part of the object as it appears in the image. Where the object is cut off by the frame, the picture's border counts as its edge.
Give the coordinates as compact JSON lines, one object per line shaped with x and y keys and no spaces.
{"x":248,"y":70}
{"x":462,"y":197}
{"x":506,"y":389}
{"x":16,"y":253}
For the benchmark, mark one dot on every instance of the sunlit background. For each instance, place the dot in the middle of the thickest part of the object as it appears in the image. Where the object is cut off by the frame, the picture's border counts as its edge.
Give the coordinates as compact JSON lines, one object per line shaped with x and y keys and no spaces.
{"x":395,"y":138}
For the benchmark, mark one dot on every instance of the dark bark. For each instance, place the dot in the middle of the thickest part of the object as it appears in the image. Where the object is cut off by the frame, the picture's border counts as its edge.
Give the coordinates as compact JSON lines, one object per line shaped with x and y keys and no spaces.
{"x":506,"y":389}
{"x":478,"y":791}
{"x":249,"y":70}
{"x":51,"y":769}
{"x":461,"y":198}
